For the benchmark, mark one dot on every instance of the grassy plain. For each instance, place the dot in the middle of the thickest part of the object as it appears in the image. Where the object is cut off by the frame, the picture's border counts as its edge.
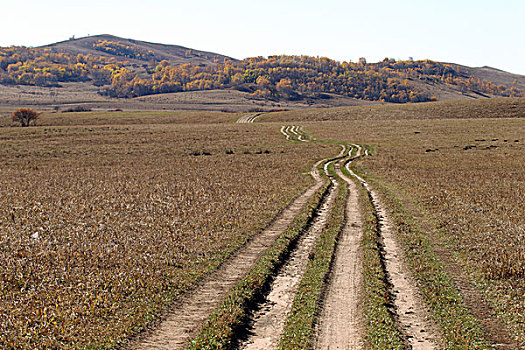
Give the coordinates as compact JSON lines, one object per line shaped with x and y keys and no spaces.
{"x":103,"y":226}
{"x":462,"y":180}
{"x":482,"y":108}
{"x":85,"y":95}
{"x":106,"y":217}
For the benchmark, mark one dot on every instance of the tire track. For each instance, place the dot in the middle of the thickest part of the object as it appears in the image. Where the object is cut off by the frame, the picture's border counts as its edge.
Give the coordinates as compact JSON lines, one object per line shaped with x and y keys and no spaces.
{"x":412,"y":313}
{"x":294,"y":132}
{"x":267,"y":323}
{"x":284,"y":132}
{"x":193,"y":308}
{"x":250,"y":118}
{"x":340,"y":325}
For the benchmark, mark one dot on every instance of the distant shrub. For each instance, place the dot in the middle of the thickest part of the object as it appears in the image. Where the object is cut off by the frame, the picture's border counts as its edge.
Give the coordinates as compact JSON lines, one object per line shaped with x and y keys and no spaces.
{"x":77,"y":109}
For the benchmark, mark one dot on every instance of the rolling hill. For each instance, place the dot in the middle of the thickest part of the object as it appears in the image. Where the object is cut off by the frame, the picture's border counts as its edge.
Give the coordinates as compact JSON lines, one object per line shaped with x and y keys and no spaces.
{"x":101,"y":70}
{"x":173,"y":53}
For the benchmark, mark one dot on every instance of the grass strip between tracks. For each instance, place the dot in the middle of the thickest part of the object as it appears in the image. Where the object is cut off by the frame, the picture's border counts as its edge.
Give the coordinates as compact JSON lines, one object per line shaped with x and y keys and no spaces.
{"x":219,"y":331}
{"x":459,"y":328}
{"x":299,"y":327}
{"x":381,"y":327}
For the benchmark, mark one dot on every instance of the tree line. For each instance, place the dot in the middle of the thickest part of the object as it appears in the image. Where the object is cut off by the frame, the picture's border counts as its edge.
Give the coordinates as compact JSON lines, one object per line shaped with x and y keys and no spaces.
{"x":275,"y":77}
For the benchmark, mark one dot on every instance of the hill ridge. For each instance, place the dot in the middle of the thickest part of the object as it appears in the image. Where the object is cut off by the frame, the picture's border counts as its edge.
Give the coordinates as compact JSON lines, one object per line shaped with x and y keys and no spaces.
{"x":176,"y":54}
{"x":116,"y":67}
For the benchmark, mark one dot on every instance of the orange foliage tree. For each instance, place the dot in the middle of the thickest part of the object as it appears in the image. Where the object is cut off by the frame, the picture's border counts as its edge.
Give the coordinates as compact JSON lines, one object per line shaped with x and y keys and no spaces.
{"x":24,"y":116}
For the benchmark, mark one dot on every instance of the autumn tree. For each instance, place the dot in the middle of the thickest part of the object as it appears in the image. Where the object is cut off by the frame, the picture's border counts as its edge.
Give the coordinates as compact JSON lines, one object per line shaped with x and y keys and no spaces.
{"x":24,"y":116}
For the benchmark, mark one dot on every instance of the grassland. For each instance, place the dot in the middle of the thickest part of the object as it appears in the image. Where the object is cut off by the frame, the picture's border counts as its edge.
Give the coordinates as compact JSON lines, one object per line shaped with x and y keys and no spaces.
{"x":82,"y":94}
{"x":483,"y":108}
{"x":103,"y":226}
{"x":118,"y":117}
{"x":462,"y":181}
{"x":106,"y":218}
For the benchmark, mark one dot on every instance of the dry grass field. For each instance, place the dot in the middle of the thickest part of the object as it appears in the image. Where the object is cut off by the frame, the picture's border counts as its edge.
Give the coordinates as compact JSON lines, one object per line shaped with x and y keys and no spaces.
{"x":102,"y":226}
{"x":104,"y":118}
{"x":106,"y":218}
{"x":82,"y":94}
{"x":483,"y":108}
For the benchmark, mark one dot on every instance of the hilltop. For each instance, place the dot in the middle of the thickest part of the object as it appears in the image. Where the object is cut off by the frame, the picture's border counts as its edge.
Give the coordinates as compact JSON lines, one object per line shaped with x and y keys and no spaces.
{"x":173,"y":53}
{"x":100,"y":70}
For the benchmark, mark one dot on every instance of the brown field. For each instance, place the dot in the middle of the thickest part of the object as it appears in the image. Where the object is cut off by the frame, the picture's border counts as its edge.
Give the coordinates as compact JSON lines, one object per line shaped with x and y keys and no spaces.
{"x":484,"y":108}
{"x":84,"y":94}
{"x":127,"y":118}
{"x":102,"y":226}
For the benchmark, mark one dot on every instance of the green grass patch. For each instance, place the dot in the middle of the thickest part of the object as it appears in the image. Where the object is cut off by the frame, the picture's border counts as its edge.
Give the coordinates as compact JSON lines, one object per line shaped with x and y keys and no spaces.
{"x":299,"y":328}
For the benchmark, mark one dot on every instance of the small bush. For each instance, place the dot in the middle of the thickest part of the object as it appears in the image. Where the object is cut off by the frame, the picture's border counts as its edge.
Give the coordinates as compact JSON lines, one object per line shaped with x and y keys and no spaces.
{"x":77,"y":109}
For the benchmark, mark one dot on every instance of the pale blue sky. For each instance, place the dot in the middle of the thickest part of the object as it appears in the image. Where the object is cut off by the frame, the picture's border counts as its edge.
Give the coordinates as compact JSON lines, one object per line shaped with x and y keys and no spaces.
{"x":469,"y":32}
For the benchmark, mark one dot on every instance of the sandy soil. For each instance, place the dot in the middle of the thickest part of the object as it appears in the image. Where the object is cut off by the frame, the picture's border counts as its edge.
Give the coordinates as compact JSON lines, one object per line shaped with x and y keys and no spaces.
{"x":412,"y":312}
{"x":267,"y":323}
{"x":340,"y":325}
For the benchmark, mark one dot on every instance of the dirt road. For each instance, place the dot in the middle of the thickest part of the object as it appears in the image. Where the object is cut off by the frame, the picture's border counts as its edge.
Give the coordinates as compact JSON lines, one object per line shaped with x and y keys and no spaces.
{"x":412,"y":313}
{"x":249,"y":118}
{"x":294,"y":132}
{"x":266,"y":324}
{"x":194,"y":308}
{"x":340,"y":324}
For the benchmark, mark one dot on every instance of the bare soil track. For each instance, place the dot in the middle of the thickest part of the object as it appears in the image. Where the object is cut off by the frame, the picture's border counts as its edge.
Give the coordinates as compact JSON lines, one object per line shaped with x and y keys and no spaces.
{"x":267,"y":323}
{"x":186,"y":317}
{"x":294,"y":132}
{"x":340,"y":325}
{"x":250,"y":118}
{"x":412,"y":313}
